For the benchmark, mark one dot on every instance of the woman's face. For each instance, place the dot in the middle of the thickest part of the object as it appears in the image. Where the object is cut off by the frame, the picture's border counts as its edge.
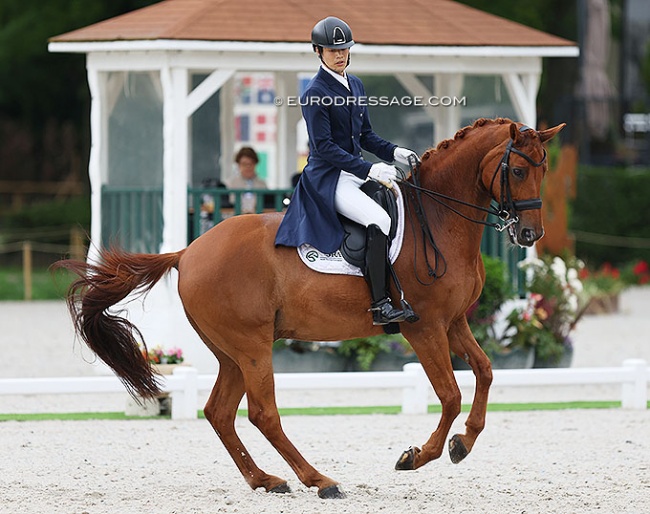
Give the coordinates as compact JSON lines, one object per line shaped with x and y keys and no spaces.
{"x":247,"y":168}
{"x":336,"y":59}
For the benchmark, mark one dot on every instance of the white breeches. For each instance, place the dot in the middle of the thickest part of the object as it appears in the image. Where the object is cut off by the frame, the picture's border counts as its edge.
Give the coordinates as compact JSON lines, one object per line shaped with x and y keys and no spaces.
{"x":353,"y":203}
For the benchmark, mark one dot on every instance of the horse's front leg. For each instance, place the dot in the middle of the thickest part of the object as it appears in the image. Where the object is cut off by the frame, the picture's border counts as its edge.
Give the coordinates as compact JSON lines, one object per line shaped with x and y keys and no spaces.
{"x":432,"y":349}
{"x":463,"y":344}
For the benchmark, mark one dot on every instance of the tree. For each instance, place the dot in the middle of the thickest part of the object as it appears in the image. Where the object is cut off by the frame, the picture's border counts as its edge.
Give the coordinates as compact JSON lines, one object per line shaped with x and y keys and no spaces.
{"x":42,"y":94}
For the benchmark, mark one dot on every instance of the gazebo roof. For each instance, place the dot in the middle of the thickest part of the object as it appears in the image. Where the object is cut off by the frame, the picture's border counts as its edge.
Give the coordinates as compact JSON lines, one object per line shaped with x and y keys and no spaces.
{"x":374,"y":22}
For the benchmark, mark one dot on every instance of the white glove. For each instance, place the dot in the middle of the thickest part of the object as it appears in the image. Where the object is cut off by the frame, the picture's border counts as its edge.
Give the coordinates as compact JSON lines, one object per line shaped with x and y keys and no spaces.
{"x":384,"y":173}
{"x":402,"y":156}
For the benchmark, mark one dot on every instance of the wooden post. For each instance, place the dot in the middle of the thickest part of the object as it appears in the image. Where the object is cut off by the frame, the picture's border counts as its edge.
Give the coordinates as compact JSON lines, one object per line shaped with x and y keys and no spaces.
{"x":27,"y":269}
{"x":77,"y":250}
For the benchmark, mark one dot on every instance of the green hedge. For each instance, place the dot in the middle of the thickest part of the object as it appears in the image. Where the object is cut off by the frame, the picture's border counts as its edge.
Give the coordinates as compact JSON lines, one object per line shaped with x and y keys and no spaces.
{"x":68,"y":212}
{"x":612,"y":202}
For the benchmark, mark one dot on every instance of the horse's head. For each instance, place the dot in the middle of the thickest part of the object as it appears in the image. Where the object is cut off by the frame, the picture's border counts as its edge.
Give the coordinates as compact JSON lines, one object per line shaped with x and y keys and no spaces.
{"x":512,"y":173}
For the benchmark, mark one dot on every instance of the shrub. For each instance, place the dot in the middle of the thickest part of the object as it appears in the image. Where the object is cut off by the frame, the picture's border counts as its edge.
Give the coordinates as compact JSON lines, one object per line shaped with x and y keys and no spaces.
{"x":611,"y":202}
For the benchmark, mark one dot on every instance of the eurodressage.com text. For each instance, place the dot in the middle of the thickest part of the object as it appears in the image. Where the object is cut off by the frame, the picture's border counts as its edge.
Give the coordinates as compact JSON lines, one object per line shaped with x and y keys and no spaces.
{"x":372,"y":101}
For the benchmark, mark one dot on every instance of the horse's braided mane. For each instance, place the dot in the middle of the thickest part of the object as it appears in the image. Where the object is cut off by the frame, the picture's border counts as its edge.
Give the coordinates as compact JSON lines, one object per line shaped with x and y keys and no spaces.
{"x":461,"y":133}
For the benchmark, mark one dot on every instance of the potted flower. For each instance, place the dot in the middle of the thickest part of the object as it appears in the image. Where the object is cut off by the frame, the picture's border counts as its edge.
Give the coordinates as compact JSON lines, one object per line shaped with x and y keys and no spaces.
{"x":636,"y":274}
{"x":603,"y":286}
{"x":164,"y":360}
{"x":554,"y":305}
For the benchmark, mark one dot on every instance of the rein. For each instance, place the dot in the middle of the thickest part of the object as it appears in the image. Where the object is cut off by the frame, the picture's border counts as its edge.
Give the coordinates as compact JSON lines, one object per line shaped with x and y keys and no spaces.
{"x":506,"y":210}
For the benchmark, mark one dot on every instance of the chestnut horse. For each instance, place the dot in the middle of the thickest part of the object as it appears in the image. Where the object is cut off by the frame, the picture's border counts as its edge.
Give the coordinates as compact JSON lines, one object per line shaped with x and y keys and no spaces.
{"x":241,"y":293}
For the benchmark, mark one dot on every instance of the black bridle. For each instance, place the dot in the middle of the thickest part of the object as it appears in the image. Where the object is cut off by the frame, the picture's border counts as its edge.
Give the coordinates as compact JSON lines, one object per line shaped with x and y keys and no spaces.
{"x":506,"y":211}
{"x":508,"y":208}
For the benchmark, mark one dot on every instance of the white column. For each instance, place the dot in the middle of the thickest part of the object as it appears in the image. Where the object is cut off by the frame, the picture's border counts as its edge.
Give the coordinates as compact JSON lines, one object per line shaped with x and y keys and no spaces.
{"x":227,"y":128}
{"x":97,"y":138}
{"x":286,"y":84}
{"x":175,"y":82}
{"x":448,"y":86}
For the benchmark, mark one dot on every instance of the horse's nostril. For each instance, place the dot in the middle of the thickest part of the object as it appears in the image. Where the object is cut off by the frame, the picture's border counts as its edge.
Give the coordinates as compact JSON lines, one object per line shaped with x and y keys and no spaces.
{"x":528,"y":234}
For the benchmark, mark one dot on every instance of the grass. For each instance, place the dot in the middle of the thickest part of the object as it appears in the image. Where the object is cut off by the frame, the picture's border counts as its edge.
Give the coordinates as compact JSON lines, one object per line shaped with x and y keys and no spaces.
{"x":45,"y":284}
{"x":322,"y":411}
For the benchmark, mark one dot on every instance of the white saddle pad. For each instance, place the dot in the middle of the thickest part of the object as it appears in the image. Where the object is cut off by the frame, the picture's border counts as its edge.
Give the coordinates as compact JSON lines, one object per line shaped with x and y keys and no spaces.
{"x":335,"y":264}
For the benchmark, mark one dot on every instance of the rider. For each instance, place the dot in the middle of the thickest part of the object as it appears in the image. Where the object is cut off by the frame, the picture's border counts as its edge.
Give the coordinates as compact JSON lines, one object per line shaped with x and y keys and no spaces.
{"x":339,"y":128}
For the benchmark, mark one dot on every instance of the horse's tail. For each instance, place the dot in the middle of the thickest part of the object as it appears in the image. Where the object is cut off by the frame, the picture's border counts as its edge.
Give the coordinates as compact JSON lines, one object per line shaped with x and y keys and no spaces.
{"x":114,"y":339}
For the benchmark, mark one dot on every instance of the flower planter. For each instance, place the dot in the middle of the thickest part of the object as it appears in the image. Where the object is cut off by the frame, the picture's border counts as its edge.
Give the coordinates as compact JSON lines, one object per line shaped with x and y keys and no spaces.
{"x":385,"y":361}
{"x":145,"y":409}
{"x":391,"y":361}
{"x":322,"y":360}
{"x":159,"y":406}
{"x":564,"y":361}
{"x":519,"y":358}
{"x":606,"y":304}
{"x":166,"y":369}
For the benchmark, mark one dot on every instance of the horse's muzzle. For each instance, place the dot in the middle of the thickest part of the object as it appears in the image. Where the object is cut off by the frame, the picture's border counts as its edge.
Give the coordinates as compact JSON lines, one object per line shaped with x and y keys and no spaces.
{"x":526,"y":236}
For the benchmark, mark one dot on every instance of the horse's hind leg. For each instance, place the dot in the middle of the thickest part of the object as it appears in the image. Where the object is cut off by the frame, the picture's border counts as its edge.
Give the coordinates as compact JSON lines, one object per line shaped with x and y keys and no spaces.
{"x":263,"y":413}
{"x":463,"y":344}
{"x":221,"y":410}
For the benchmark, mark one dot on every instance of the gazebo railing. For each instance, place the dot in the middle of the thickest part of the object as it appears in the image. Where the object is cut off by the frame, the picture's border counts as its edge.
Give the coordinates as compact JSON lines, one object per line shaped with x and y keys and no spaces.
{"x":209,"y":206}
{"x":132,"y":217}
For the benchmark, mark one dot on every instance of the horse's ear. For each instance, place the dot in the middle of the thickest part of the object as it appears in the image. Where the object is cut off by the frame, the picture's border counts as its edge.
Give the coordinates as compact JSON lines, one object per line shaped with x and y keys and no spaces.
{"x":547,"y":134}
{"x":515,"y":134}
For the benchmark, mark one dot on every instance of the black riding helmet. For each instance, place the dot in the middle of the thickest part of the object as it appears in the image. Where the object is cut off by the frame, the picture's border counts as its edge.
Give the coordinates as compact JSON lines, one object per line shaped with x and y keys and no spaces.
{"x":331,"y":32}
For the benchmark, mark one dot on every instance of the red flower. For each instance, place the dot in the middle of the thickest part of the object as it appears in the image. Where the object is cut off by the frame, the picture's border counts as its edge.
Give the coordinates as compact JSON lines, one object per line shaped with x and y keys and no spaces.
{"x":640,"y":268}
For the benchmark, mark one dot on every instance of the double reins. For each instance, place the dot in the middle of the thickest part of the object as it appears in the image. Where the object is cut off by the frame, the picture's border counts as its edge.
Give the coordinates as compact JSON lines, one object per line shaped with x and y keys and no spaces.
{"x":506,"y":211}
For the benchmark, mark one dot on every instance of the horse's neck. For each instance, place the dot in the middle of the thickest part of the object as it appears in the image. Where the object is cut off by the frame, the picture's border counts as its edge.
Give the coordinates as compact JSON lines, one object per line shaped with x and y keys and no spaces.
{"x":455,"y":172}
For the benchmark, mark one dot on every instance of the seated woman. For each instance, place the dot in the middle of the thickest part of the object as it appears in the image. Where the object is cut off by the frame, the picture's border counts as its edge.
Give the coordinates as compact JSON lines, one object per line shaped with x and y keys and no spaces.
{"x":247,"y":178}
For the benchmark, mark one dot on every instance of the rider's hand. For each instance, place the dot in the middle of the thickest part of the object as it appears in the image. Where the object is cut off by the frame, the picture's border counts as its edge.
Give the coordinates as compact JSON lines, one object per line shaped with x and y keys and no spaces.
{"x":405,"y":156}
{"x":383,"y":173}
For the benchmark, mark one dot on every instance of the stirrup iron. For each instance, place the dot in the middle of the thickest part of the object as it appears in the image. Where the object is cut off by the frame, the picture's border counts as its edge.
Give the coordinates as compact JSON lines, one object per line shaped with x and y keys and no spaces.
{"x":384,"y":313}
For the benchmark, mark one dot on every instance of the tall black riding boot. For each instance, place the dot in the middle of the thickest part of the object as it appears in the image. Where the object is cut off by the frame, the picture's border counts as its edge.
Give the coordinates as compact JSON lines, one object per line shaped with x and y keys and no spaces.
{"x":376,"y":274}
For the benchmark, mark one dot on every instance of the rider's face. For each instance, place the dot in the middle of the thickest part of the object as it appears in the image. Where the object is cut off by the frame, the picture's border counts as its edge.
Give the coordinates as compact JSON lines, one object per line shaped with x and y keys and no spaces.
{"x":336,"y":59}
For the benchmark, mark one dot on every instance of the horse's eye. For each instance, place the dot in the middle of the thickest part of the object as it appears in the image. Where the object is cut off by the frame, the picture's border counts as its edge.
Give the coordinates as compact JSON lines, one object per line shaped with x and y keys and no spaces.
{"x":518,"y":172}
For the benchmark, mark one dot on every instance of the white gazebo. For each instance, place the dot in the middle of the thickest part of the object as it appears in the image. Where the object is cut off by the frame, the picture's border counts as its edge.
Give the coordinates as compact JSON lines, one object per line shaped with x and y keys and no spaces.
{"x":150,"y":71}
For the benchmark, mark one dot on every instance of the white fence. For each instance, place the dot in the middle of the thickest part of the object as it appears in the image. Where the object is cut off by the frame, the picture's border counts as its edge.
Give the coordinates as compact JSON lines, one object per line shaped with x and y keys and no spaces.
{"x":185,"y":384}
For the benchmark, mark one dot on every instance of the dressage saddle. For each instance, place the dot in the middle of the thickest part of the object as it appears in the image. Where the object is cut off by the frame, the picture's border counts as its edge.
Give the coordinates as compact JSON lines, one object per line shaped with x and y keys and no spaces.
{"x":353,"y":247}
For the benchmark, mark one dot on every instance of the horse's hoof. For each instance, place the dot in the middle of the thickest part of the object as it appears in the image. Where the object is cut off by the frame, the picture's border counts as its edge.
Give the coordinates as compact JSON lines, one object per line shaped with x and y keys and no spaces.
{"x":283,"y":488}
{"x":407,"y":461}
{"x":457,"y":449}
{"x":333,"y":492}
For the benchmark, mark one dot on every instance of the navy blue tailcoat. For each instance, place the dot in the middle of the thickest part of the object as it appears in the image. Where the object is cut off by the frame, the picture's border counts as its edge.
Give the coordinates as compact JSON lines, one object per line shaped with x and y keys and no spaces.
{"x":337,"y":133}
